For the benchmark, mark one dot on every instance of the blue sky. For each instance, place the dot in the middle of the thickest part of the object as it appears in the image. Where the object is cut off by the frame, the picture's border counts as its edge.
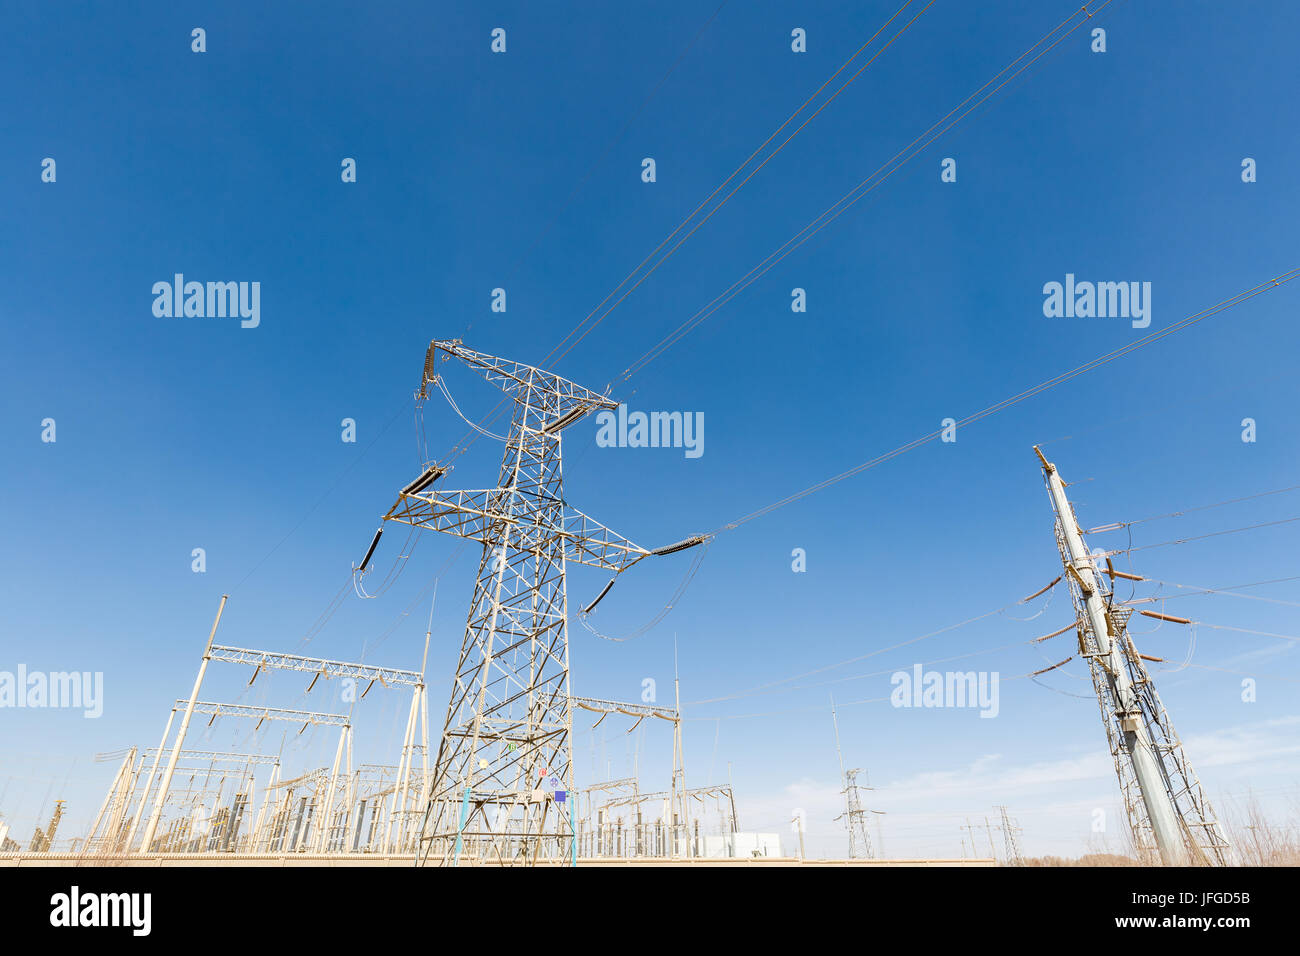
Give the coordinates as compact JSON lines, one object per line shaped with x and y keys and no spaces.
{"x":924,"y":301}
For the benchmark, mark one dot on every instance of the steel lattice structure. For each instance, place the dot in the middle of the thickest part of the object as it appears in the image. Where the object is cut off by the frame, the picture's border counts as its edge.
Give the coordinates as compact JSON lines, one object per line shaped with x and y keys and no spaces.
{"x":1009,"y":831}
{"x":504,"y":769}
{"x":1169,"y":815}
{"x":262,"y":660}
{"x":854,"y":816}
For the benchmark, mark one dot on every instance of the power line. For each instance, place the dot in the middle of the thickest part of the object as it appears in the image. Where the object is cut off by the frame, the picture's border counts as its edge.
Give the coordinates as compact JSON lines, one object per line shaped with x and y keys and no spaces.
{"x":981,"y":95}
{"x":857,"y":192}
{"x":1202,"y":537}
{"x":1200,"y":396}
{"x":1196,"y":590}
{"x":604,"y":154}
{"x":752,"y":173}
{"x":1018,"y":398}
{"x":1244,"y":630}
{"x":1119,"y":525}
{"x":1225,"y":670}
{"x":328,"y":491}
{"x":852,"y":660}
{"x":560,"y":349}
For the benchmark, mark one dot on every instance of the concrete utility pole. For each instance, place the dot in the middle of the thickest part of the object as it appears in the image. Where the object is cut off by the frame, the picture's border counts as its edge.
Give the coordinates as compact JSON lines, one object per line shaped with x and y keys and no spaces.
{"x":679,"y":752}
{"x":1143,"y":742}
{"x":180,"y":735}
{"x":970,"y":830}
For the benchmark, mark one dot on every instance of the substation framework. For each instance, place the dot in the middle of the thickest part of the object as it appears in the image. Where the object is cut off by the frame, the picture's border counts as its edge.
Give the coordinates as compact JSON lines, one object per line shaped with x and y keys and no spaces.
{"x":501,"y":789}
{"x":330,"y":809}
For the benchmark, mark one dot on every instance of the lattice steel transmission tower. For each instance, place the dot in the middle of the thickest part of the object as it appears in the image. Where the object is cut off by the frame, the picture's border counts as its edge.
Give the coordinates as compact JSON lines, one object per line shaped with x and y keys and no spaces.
{"x":1167,"y":810}
{"x":501,"y":785}
{"x":854,"y":816}
{"x":1009,"y":834}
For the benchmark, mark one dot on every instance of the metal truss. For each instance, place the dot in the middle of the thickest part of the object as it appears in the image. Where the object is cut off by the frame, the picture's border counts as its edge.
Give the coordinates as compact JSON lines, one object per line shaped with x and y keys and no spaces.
{"x":640,"y":711}
{"x":504,"y":769}
{"x":855,"y":818}
{"x":696,"y":793}
{"x":504,"y":766}
{"x":217,"y":757}
{"x":266,"y":713}
{"x":261,"y":660}
{"x":479,"y":515}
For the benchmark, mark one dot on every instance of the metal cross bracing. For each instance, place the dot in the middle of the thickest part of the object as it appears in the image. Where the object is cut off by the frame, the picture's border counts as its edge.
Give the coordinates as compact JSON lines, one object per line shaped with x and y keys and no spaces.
{"x":1010,"y":833}
{"x":855,"y":818}
{"x":504,"y":768}
{"x":1170,"y":818}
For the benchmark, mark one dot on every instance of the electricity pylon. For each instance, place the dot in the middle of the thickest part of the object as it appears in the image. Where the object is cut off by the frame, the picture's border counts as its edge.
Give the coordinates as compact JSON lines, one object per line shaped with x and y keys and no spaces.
{"x":1009,"y":831}
{"x":1163,"y":798}
{"x":854,"y":817}
{"x":502,"y":783}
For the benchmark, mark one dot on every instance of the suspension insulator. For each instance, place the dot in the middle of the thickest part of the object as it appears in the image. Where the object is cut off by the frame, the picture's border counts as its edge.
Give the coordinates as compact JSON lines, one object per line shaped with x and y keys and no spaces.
{"x":681,"y":545}
{"x":564,"y":421}
{"x":603,"y":591}
{"x":427,"y":477}
{"x":371,"y":550}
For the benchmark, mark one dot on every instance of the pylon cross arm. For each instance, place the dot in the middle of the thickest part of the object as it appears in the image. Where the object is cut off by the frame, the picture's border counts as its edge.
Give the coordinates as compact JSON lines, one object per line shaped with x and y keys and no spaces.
{"x":480,"y":515}
{"x":587,"y":541}
{"x":515,"y":377}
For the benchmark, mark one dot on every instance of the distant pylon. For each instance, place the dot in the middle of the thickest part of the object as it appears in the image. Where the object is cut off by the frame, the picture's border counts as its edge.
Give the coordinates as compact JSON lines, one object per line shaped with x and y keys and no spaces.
{"x":1009,"y":831}
{"x":854,"y":816}
{"x":1168,"y":812}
